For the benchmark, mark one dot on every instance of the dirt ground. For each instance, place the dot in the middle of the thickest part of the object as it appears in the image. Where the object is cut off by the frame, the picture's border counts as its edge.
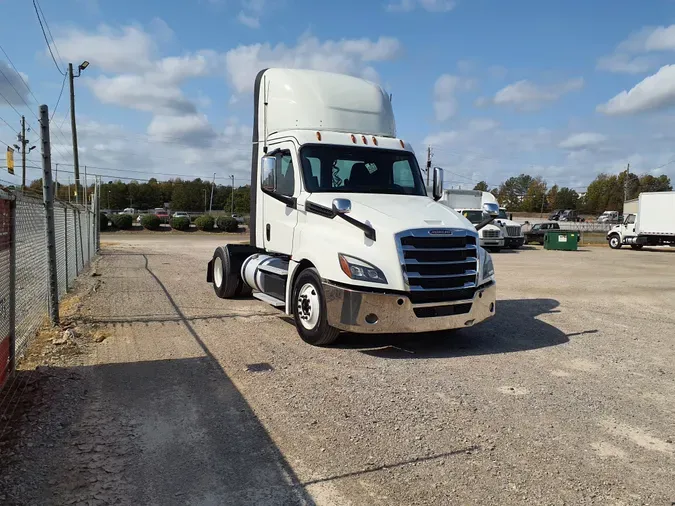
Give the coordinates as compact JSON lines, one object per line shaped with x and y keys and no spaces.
{"x":168,"y":395}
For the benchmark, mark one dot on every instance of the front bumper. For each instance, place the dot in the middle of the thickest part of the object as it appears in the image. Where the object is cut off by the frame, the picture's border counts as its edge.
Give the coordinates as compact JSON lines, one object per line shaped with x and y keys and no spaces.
{"x":514,"y":242}
{"x":368,"y":312}
{"x":492,"y":243}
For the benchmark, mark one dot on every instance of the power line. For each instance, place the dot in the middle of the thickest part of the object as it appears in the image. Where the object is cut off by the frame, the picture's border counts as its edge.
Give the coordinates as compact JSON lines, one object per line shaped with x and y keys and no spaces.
{"x":10,"y":126}
{"x":46,"y":39}
{"x":58,"y":100}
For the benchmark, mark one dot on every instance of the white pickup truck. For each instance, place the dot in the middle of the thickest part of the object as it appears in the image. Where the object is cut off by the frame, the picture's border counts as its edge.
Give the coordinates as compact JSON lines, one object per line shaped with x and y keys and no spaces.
{"x":343,"y":233}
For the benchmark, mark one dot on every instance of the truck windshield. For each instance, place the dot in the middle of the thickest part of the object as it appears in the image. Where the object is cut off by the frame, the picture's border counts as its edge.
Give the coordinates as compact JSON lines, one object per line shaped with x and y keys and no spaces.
{"x":474,"y":217}
{"x":502,"y":214}
{"x":360,"y":170}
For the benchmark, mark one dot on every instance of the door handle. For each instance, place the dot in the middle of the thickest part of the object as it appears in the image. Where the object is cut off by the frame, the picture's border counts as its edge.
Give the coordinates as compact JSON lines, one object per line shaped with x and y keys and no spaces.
{"x":268,"y":231}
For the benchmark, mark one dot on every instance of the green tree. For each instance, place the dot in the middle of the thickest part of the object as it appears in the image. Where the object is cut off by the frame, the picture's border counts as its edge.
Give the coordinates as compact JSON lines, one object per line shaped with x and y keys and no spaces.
{"x":482,"y":186}
{"x":512,"y":192}
{"x":552,"y":199}
{"x":649,"y":183}
{"x":567,"y":199}
{"x":605,"y":193}
{"x":535,"y":197}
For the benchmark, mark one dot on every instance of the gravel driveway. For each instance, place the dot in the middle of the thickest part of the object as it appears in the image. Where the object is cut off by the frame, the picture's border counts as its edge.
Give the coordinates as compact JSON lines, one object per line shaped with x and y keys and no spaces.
{"x":567,"y":396}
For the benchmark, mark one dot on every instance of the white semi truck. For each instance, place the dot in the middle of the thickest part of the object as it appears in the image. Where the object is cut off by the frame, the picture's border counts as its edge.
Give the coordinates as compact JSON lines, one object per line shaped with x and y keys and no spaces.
{"x":652,"y":225}
{"x":342,"y":233}
{"x":501,"y":233}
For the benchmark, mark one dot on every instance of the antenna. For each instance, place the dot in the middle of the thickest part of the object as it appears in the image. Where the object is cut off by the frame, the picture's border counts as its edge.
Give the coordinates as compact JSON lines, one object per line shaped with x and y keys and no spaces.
{"x":266,"y":90}
{"x":391,"y":95}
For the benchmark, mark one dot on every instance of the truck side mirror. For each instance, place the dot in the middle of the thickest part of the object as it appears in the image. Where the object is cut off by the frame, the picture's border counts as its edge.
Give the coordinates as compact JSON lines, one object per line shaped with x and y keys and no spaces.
{"x":342,"y":206}
{"x":438,"y":183}
{"x":491,"y":209}
{"x":268,"y":173}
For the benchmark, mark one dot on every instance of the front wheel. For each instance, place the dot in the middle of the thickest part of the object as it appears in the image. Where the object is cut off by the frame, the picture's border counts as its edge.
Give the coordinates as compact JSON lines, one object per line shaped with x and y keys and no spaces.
{"x":309,"y":309}
{"x":615,"y":242}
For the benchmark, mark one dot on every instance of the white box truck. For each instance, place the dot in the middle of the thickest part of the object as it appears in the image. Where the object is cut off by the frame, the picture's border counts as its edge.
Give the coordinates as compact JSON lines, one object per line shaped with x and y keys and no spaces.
{"x":652,"y":225}
{"x":343,"y":235}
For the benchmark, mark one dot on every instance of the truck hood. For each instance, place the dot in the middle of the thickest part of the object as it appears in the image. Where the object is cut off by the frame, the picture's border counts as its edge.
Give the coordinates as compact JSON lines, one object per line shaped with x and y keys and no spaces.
{"x":396,"y":212}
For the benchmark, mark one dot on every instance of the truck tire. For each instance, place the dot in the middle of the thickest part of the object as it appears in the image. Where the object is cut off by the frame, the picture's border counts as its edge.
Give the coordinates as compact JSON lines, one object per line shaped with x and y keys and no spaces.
{"x":615,"y":241}
{"x":636,"y":246}
{"x":309,"y":309}
{"x":224,"y":284}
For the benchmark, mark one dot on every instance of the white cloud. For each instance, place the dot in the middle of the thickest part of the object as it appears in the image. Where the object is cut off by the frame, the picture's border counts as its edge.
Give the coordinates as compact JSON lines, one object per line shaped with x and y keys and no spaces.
{"x":128,"y":49}
{"x":427,"y":5}
{"x":583,"y":141}
{"x":631,"y":55}
{"x":445,"y":89}
{"x":347,"y":56}
{"x":12,"y":86}
{"x":527,"y":96}
{"x":248,"y":20}
{"x":192,"y":129}
{"x":138,"y":92}
{"x":652,"y":93}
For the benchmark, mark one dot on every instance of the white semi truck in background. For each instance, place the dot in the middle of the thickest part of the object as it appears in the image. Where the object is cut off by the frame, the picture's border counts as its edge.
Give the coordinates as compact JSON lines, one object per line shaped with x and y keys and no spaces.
{"x":652,"y":225}
{"x":342,"y":233}
{"x":501,"y":233}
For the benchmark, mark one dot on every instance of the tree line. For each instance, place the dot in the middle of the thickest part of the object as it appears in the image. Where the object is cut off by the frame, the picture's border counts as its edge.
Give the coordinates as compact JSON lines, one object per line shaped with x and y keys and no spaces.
{"x":519,"y":193}
{"x":176,"y":194}
{"x":606,"y":192}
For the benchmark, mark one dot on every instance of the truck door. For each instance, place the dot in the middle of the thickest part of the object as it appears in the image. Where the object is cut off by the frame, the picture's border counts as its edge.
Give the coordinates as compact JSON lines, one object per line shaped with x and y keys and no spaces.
{"x":279,"y":211}
{"x":630,"y":225}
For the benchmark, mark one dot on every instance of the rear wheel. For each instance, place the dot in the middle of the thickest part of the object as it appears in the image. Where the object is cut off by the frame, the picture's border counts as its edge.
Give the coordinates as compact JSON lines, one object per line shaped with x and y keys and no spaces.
{"x":309,"y":309}
{"x":224,"y":284}
{"x":615,"y":241}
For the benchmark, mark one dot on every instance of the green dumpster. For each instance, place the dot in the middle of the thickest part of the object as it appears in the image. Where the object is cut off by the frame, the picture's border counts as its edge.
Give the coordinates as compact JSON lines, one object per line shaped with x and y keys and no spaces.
{"x":565,"y":240}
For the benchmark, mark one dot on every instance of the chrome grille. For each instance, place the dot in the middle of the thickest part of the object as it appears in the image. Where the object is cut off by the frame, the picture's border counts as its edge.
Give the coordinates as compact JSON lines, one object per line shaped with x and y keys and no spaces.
{"x":513,"y":231}
{"x":491,"y":234}
{"x":439,"y":269}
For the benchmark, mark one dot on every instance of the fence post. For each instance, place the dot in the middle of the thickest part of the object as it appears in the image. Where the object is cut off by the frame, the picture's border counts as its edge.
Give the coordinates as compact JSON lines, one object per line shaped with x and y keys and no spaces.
{"x":12,"y":286}
{"x":48,"y":198}
{"x":97,"y":218}
{"x":65,"y":234}
{"x":77,"y":259}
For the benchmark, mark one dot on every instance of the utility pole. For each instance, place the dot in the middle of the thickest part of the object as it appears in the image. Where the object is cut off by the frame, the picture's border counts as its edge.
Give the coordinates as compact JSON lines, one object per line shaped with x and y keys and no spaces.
{"x":213,"y":185}
{"x":56,"y":182}
{"x":24,"y":144}
{"x":232,"y":207}
{"x":204,"y":190}
{"x":23,"y":153}
{"x":428,"y":163}
{"x":625,"y":184}
{"x":48,"y":199}
{"x":73,"y":126}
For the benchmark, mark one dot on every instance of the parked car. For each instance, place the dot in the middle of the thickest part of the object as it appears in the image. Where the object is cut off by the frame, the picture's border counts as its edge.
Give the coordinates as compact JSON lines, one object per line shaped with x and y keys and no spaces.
{"x":570,"y":215}
{"x":555,"y":215}
{"x":162,"y":214}
{"x":181,"y":214}
{"x":538,"y":231}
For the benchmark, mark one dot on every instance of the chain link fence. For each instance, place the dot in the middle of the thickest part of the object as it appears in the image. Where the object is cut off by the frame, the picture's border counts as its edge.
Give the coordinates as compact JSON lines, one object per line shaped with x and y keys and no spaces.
{"x":24,"y":265}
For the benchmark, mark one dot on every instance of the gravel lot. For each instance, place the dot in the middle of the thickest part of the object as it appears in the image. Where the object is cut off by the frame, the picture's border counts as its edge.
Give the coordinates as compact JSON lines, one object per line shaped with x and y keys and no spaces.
{"x":567,"y":396}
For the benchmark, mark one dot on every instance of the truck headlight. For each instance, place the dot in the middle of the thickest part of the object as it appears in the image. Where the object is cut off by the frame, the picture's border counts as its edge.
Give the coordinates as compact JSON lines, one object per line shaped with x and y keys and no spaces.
{"x":355,"y":268}
{"x":487,"y":268}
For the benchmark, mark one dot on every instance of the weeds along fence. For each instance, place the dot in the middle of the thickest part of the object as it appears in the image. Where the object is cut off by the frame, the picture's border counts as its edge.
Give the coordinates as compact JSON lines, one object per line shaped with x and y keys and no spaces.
{"x":26,"y":279}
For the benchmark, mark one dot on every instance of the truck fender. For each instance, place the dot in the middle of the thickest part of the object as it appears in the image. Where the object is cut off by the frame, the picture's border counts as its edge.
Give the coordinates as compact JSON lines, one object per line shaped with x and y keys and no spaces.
{"x":209,"y":271}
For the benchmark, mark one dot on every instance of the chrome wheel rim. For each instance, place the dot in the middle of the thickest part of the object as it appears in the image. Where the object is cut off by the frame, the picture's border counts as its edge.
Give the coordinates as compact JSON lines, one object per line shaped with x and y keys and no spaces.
{"x":308,"y":306}
{"x":218,"y":272}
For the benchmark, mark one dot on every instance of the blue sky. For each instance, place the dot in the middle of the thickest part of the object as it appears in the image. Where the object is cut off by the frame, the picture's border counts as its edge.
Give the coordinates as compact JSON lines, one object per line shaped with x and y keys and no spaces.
{"x":564,"y":90}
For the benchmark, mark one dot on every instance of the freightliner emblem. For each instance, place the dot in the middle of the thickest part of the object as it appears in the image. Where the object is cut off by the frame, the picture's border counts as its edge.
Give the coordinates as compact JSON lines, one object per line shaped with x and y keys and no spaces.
{"x":440,"y":231}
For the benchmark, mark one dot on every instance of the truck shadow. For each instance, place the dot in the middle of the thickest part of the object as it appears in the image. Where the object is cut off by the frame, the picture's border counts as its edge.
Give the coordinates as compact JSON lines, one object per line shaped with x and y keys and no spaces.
{"x":514,"y":328}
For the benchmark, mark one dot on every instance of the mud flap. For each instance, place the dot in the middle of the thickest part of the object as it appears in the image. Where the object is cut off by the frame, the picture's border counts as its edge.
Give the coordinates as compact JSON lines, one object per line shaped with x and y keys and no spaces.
{"x":209,"y":271}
